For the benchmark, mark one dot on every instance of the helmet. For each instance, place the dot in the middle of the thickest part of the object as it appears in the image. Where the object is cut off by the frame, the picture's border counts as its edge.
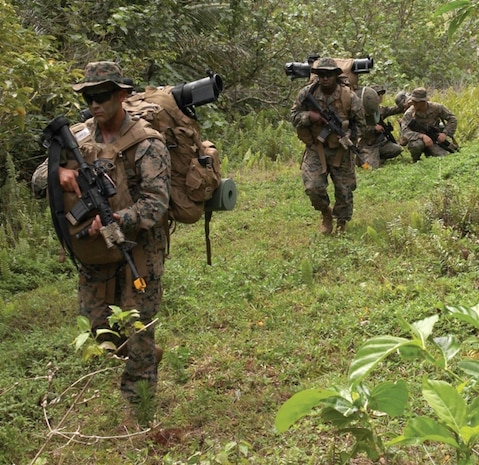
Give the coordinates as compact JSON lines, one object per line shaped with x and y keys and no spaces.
{"x":326,"y":64}
{"x":401,"y":98}
{"x":380,"y":89}
{"x":370,"y":101}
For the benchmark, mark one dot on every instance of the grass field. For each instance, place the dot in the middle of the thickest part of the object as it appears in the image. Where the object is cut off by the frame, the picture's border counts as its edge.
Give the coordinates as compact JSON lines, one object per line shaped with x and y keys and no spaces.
{"x":281,"y":309}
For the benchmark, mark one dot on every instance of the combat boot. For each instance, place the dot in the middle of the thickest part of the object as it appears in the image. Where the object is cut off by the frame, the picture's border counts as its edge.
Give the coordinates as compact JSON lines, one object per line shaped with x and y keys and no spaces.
{"x":340,"y":226}
{"x":327,"y":223}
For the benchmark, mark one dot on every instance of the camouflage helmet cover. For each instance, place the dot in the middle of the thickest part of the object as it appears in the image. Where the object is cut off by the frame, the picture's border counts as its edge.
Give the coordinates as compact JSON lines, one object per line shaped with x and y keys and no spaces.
{"x":101,"y":72}
{"x":400,"y":98}
{"x":370,"y":101}
{"x":326,"y":64}
{"x":380,"y":89}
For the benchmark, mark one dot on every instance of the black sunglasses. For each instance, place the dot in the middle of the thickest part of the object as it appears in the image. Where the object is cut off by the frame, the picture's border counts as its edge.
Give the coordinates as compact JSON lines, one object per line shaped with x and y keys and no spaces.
{"x":326,"y":74}
{"x":99,"y":98}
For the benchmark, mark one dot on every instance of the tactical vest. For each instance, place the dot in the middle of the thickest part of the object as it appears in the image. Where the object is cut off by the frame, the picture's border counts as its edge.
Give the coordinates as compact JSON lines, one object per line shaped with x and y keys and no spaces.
{"x":118,"y":159}
{"x":342,"y":106}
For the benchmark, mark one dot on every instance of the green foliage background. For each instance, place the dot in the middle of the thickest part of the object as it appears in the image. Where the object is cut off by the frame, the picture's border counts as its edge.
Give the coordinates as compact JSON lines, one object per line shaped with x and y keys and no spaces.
{"x":281,"y":309}
{"x":45,"y":45}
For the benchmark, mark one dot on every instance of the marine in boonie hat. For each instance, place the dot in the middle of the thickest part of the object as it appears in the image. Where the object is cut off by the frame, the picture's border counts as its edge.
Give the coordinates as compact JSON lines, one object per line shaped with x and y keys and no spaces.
{"x":326,"y":64}
{"x":419,"y":95}
{"x":101,"y":72}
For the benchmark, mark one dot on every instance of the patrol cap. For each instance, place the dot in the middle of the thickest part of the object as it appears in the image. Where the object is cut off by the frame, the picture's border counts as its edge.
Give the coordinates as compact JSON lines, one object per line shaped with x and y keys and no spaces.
{"x":419,"y":95}
{"x":326,"y":64}
{"x":101,"y":72}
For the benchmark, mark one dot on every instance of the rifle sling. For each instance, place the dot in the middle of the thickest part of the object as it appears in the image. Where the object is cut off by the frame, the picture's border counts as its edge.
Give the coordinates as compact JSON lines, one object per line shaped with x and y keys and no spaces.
{"x":55,"y":198}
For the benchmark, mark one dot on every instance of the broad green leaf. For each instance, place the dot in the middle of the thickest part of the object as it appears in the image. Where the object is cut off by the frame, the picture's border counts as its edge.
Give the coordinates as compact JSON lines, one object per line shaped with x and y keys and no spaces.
{"x":448,"y":405}
{"x":422,"y":329}
{"x":454,"y":5}
{"x":470,"y":434}
{"x":372,"y":353}
{"x":449,"y":346}
{"x":390,"y":398}
{"x":83,"y":323}
{"x":106,"y":331}
{"x":115,"y":309}
{"x":468,"y":314}
{"x":108,"y":345}
{"x":138,"y":326}
{"x":473,"y":413}
{"x":93,"y":350}
{"x":410,"y":352}
{"x":336,"y":418}
{"x":81,"y":339}
{"x":470,"y":367}
{"x":341,"y":404}
{"x":421,"y":429}
{"x":300,"y":405}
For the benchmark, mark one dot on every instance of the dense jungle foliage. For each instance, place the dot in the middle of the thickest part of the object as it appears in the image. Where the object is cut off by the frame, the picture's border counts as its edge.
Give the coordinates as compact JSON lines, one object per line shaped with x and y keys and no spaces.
{"x":45,"y":44}
{"x":237,"y":335}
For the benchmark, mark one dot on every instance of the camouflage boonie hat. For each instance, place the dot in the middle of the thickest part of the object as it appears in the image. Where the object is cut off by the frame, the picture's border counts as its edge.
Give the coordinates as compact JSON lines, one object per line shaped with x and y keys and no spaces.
{"x":101,"y":72}
{"x":326,"y":64}
{"x":419,"y":95}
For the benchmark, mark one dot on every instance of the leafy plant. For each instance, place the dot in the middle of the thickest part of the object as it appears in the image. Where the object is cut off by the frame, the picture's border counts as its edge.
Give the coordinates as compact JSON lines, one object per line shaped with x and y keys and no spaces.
{"x":88,"y":341}
{"x":356,"y":409}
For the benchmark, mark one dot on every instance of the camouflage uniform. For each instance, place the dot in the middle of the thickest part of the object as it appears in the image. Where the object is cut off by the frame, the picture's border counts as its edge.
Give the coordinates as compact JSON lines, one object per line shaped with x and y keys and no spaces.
{"x":375,"y":146}
{"x":434,"y":115}
{"x":338,"y":163}
{"x":111,"y":284}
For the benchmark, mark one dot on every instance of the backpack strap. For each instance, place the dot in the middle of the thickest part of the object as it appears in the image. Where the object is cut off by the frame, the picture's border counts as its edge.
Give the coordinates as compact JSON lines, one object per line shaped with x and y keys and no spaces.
{"x":345,"y":98}
{"x":138,"y":131}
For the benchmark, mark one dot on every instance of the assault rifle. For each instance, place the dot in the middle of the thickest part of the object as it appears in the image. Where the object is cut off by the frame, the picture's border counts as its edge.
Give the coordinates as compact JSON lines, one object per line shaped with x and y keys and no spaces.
{"x":96,"y":188}
{"x":331,"y":123}
{"x":387,"y":135}
{"x":433,"y":133}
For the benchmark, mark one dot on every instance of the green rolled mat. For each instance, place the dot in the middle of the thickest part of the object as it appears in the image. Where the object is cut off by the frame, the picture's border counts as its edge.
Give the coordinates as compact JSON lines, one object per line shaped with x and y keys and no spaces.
{"x":224,"y":197}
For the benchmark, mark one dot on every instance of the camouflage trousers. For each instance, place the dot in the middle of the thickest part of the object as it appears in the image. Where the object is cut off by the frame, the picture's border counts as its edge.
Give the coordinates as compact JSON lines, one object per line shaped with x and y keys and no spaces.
{"x":95,"y":295}
{"x":316,"y":183}
{"x":417,"y":148}
{"x":375,"y":154}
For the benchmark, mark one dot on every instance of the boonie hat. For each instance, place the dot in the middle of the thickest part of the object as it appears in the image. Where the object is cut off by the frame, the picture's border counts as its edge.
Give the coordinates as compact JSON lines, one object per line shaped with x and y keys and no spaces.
{"x":419,"y":95}
{"x":100,"y":72}
{"x":326,"y":64}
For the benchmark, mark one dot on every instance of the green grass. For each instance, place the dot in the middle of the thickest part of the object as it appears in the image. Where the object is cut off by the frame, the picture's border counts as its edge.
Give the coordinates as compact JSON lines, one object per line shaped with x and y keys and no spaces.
{"x":282,"y":308}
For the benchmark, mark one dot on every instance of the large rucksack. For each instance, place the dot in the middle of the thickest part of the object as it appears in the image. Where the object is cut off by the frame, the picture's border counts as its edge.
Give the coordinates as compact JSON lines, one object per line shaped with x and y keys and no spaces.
{"x":196,"y":183}
{"x":195,"y":165}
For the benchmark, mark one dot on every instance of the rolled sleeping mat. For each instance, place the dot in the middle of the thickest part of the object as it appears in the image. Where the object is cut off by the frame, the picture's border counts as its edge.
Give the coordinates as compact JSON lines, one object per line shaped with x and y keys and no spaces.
{"x":224,"y":197}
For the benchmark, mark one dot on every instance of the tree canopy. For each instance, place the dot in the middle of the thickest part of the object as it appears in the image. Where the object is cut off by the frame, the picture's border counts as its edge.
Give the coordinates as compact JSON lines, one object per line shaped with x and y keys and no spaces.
{"x":46,"y":43}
